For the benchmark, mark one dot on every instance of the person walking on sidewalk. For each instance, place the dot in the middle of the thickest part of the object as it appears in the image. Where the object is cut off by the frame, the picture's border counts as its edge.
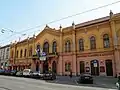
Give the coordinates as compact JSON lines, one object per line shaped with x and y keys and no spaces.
{"x":70,"y":74}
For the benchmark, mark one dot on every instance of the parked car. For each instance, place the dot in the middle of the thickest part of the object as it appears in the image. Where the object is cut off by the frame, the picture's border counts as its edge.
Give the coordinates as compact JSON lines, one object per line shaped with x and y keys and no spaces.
{"x":85,"y":78}
{"x":49,"y":76}
{"x":13,"y":72}
{"x":36,"y":75}
{"x":2,"y":71}
{"x":19,"y":74}
{"x":7,"y":72}
{"x":27,"y":72}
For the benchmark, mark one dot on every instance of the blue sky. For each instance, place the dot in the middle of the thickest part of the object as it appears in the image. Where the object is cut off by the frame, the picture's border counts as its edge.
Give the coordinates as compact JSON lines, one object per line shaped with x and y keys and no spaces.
{"x":20,"y":15}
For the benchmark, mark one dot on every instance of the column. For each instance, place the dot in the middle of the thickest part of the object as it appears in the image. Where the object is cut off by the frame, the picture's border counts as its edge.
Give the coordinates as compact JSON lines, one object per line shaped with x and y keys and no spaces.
{"x":60,"y":62}
{"x":74,"y":62}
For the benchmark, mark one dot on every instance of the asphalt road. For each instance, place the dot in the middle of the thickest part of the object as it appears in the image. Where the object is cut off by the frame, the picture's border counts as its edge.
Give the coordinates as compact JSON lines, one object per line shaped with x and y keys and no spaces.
{"x":17,"y":83}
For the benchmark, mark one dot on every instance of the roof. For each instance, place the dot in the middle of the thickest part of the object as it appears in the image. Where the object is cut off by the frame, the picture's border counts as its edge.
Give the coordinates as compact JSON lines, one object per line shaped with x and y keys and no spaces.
{"x":95,"y":21}
{"x":5,"y":46}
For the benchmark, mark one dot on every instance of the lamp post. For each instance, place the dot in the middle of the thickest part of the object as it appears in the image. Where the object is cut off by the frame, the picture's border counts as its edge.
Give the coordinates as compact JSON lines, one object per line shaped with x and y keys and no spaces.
{"x":3,"y":30}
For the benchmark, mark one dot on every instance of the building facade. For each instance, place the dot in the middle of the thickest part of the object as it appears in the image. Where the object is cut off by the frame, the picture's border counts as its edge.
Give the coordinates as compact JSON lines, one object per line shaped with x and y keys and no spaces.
{"x":4,"y":56}
{"x":91,"y":47}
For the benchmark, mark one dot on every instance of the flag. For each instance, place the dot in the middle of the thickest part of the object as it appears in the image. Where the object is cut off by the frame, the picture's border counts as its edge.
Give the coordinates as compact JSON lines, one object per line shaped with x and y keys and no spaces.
{"x":37,"y":52}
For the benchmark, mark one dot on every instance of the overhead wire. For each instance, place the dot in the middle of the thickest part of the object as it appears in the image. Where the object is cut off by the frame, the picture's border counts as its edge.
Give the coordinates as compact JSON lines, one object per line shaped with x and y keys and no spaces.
{"x":66,"y":17}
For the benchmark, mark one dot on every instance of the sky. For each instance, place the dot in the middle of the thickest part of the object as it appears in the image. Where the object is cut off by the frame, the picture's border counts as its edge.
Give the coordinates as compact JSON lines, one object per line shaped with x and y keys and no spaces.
{"x":22,"y":15}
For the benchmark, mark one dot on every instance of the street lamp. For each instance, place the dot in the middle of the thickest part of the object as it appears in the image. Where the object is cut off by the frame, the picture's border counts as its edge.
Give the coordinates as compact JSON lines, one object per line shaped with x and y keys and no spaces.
{"x":3,"y":30}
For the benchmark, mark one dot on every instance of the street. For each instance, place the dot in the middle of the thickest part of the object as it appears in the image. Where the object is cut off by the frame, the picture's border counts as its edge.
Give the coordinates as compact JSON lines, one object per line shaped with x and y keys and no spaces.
{"x":17,"y":83}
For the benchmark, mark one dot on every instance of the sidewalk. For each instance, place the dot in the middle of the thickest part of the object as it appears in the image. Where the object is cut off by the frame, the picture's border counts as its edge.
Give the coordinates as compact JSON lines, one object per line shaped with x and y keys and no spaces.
{"x":105,"y":82}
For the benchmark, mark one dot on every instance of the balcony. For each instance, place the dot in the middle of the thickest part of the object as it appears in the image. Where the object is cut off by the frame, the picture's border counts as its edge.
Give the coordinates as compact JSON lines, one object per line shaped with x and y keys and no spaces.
{"x":54,"y":54}
{"x":34,"y":57}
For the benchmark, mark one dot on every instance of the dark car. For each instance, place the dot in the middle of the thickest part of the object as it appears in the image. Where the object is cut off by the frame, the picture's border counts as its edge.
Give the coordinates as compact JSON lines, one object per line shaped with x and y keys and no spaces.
{"x":49,"y":76}
{"x":19,"y":74}
{"x":13,"y":72}
{"x":2,"y":71}
{"x":7,"y":72}
{"x":86,"y":78}
{"x":36,"y":75}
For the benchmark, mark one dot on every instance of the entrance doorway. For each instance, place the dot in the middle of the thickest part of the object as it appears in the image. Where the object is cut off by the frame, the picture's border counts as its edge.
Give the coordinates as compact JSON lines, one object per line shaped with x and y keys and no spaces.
{"x":45,"y":66}
{"x":54,"y":67}
{"x":109,"y":67}
{"x":94,"y":67}
{"x":37,"y":66}
{"x":82,"y":67}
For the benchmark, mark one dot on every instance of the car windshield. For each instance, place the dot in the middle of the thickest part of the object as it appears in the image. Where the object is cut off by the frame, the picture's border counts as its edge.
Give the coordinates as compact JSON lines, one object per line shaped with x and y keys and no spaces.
{"x":26,"y":71}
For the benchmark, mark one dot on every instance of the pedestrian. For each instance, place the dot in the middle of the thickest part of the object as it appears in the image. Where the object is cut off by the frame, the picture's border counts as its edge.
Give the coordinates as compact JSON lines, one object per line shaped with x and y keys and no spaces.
{"x":70,"y":74}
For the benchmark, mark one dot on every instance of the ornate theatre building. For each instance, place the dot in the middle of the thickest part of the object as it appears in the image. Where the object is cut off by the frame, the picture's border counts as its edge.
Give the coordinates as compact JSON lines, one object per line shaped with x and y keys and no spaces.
{"x":91,"y":46}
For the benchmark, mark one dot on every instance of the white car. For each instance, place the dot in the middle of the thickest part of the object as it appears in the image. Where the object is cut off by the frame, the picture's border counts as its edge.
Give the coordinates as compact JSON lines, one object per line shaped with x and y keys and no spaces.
{"x":27,"y":72}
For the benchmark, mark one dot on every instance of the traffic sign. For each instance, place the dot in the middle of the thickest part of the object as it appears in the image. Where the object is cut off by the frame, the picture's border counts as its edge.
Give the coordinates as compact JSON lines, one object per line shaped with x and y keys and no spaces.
{"x":95,"y":64}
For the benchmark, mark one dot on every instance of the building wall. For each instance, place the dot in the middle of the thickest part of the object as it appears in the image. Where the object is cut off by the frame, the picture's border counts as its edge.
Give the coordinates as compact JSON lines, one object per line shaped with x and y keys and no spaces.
{"x":97,"y":28}
{"x":4,"y":55}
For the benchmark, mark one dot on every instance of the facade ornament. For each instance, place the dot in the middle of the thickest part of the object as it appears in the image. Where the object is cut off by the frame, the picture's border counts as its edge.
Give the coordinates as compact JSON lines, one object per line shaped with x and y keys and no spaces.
{"x":60,"y":28}
{"x":46,"y":27}
{"x":28,"y":38}
{"x":34,"y":36}
{"x":111,"y":13}
{"x":73,"y":25}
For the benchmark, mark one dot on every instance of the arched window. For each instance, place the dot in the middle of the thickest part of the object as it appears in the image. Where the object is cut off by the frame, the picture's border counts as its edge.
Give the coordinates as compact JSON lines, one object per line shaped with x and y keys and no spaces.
{"x":30,"y":51}
{"x":92,"y":43}
{"x":21,"y":52}
{"x":67,"y":46}
{"x":81,"y":45}
{"x":38,"y":50}
{"x":46,"y":47}
{"x":106,"y":41}
{"x":54,"y":47}
{"x":17,"y":53}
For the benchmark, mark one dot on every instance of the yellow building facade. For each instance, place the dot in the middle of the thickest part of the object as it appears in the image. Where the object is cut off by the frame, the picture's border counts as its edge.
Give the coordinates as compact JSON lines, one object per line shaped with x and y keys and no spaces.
{"x":91,"y":47}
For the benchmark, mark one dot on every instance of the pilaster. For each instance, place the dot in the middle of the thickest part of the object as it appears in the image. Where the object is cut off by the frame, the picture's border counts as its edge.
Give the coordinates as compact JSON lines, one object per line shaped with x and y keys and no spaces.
{"x":74,"y":61}
{"x":115,"y":44}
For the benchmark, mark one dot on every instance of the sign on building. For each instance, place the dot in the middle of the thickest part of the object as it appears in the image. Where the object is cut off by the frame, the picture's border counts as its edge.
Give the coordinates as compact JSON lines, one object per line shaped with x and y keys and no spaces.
{"x":95,"y":63}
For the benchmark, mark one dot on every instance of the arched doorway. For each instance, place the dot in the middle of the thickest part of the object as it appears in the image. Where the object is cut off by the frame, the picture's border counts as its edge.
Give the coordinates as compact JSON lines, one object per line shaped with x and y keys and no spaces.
{"x":54,"y":66}
{"x":82,"y":67}
{"x":37,"y":66}
{"x":94,"y":67}
{"x":45,"y":66}
{"x":109,"y":67}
